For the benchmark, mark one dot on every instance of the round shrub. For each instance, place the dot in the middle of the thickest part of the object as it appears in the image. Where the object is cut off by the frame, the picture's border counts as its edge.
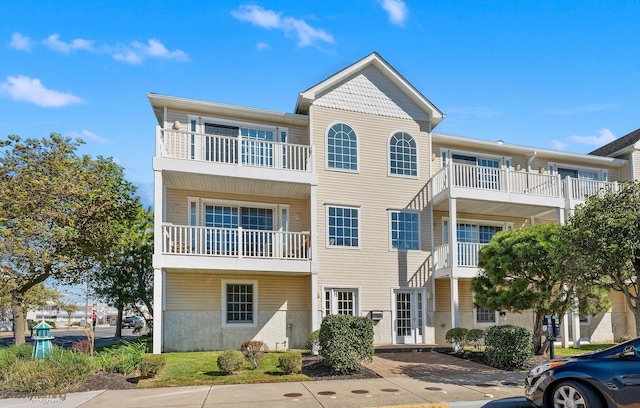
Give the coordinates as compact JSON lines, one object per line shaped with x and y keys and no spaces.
{"x":346,"y":342}
{"x":474,"y":336}
{"x":231,"y":361}
{"x":290,"y":362}
{"x":456,"y":337}
{"x":508,"y":347}
{"x":313,"y":340}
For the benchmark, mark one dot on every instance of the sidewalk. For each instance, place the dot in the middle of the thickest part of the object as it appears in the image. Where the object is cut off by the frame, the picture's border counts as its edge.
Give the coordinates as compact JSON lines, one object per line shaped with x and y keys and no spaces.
{"x":413,"y":380}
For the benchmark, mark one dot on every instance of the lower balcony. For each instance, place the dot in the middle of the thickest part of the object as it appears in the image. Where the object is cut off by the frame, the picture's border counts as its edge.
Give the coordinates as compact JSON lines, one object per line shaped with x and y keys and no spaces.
{"x":235,"y":249}
{"x":464,"y":266}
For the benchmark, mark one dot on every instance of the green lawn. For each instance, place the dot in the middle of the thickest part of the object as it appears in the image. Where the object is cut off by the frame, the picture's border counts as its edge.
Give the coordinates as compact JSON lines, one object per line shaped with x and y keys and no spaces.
{"x":201,"y":368}
{"x":584,"y":348}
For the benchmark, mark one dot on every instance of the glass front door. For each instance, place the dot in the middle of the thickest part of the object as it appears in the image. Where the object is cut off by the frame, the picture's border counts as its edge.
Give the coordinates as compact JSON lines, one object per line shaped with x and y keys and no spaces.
{"x":409,"y":320}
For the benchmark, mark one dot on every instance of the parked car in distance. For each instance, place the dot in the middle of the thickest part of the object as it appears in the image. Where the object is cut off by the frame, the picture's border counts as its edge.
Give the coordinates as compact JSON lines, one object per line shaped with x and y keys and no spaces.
{"x":132,"y":322}
{"x":605,"y":378}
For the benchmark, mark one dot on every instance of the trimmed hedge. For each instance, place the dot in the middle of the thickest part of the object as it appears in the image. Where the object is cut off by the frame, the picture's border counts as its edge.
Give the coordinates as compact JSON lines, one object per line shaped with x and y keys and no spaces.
{"x":474,"y":336}
{"x":346,"y":342}
{"x":508,"y":347}
{"x":456,"y":337}
{"x":231,"y":361}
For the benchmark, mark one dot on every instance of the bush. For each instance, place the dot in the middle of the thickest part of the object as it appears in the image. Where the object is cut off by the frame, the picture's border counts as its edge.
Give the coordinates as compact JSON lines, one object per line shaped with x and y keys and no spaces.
{"x":346,"y":342}
{"x":231,"y":361}
{"x":625,"y":337}
{"x":474,"y":336}
{"x":49,"y":322}
{"x":456,"y":337}
{"x":151,"y":364}
{"x":313,"y":341}
{"x":290,"y":362}
{"x":55,"y":375}
{"x":124,"y":359}
{"x":82,"y":346}
{"x":508,"y":347}
{"x":253,"y":351}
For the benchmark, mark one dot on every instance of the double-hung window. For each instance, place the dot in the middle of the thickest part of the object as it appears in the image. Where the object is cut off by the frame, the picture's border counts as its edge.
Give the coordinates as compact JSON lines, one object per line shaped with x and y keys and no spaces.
{"x":485,"y":315}
{"x":239,"y":303}
{"x":343,"y":226}
{"x":341,"y":301}
{"x":342,"y":147}
{"x":405,"y":229}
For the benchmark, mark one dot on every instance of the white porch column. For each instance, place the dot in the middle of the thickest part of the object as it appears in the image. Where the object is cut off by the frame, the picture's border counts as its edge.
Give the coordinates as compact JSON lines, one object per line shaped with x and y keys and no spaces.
{"x":560,"y":216}
{"x":315,"y":315}
{"x":455,"y":312}
{"x":453,"y":262}
{"x":158,"y":309}
{"x":564,"y":331}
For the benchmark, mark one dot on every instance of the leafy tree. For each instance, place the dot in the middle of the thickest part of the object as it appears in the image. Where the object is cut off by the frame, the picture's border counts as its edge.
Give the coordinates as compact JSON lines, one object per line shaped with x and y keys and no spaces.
{"x":59,"y":214}
{"x":35,"y":297}
{"x":604,"y":232}
{"x":125,"y":278}
{"x":524,"y":270}
{"x":68,"y":307}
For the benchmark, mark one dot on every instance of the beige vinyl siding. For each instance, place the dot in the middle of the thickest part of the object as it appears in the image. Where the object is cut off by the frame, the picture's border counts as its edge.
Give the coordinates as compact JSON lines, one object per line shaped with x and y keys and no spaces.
{"x":443,"y":295}
{"x":465,"y":295}
{"x":177,"y":206}
{"x":635,"y":161}
{"x":618,"y":302}
{"x":373,"y":266}
{"x":202,"y":291}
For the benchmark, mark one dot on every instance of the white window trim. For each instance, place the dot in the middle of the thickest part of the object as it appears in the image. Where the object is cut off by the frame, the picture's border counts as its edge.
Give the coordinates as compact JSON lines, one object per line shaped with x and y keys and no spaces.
{"x":201,"y":120}
{"x":189,"y":201}
{"x":332,"y":288}
{"x":391,"y":248}
{"x":326,"y":150}
{"x":507,"y":226}
{"x":223,"y":291}
{"x":389,"y":157}
{"x":277,"y":221}
{"x":485,"y":324}
{"x":477,"y":155}
{"x":328,"y":245}
{"x":553,"y":169}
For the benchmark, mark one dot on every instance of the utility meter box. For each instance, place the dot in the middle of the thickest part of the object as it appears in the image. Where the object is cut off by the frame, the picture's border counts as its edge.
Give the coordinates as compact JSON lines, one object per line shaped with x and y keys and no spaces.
{"x":376,"y":315}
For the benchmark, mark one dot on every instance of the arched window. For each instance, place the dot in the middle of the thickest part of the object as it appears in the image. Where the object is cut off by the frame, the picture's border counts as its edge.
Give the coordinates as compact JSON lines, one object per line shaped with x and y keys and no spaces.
{"x":342,"y":147}
{"x":403,"y":156}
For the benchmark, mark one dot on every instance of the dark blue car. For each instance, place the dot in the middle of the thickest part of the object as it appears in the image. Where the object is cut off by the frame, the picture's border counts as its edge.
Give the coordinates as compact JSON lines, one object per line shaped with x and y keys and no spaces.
{"x":606,"y":378}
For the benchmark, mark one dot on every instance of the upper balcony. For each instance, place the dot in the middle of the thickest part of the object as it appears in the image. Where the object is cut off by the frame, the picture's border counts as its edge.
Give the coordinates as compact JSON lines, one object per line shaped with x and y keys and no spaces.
{"x":511,"y":187}
{"x":237,"y":157}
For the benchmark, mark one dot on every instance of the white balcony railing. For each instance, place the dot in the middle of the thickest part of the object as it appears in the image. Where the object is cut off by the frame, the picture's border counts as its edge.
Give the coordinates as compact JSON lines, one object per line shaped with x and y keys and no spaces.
{"x":235,"y":242}
{"x":233,"y":150}
{"x":467,"y":255}
{"x":519,"y":182}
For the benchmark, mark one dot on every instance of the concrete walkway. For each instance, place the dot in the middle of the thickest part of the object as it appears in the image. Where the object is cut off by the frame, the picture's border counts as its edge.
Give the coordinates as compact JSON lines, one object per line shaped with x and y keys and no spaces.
{"x":426,"y":379}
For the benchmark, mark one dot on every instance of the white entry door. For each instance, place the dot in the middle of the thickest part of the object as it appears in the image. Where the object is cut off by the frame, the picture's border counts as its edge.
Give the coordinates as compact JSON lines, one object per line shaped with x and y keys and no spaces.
{"x":409,"y":316}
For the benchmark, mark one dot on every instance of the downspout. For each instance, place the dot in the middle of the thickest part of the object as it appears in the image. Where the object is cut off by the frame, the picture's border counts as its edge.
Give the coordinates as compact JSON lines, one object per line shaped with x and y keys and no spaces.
{"x":533,"y":156}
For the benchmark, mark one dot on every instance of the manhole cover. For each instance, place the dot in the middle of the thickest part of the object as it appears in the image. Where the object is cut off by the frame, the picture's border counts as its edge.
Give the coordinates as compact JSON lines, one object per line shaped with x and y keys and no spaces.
{"x":484,"y":385}
{"x":390,"y":390}
{"x":326,"y":393}
{"x":514,"y":384}
{"x":433,"y":389}
{"x":293,"y":394}
{"x":360,"y":391}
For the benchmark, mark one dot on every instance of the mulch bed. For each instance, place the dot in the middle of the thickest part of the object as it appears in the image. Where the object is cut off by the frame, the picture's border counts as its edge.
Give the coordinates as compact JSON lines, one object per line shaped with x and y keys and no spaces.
{"x":313,"y":367}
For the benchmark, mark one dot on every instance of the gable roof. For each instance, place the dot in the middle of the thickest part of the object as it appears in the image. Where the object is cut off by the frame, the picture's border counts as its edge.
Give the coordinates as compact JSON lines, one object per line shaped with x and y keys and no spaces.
{"x":618,"y":144}
{"x":306,"y":98}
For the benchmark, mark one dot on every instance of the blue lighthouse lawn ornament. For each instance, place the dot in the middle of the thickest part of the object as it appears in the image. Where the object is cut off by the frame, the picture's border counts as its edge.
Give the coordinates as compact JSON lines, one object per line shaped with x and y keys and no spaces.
{"x":42,"y":339}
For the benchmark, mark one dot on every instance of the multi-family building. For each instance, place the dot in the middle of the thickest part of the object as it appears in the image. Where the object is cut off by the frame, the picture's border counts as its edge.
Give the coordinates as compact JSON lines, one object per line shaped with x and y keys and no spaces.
{"x":267,"y":221}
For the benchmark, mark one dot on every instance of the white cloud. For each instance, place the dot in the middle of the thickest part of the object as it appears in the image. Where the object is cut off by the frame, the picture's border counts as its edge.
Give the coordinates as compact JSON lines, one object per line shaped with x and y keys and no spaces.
{"x":269,"y":19}
{"x":397,"y":11}
{"x":20,"y":42}
{"x":25,"y":89}
{"x":135,"y":52}
{"x":258,"y":16}
{"x":558,"y":145}
{"x":262,"y":46}
{"x":605,"y":136}
{"x":582,"y":109}
{"x":54,"y":42}
{"x":89,"y":136}
{"x":477,"y":111}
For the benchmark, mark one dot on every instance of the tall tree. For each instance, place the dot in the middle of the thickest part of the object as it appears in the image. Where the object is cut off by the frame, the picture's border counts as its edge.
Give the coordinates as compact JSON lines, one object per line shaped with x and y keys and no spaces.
{"x":69,"y":307}
{"x":523,"y":270}
{"x":605,"y":234}
{"x":125,"y":278}
{"x":59,"y":213}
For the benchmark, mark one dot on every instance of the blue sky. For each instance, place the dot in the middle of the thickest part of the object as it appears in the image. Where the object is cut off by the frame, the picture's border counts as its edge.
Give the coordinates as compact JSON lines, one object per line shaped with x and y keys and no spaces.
{"x":552,"y":74}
